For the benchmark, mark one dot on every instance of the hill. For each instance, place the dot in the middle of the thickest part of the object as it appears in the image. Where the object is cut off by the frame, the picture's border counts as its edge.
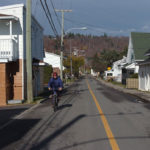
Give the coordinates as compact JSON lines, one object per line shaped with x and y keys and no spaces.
{"x":90,"y":44}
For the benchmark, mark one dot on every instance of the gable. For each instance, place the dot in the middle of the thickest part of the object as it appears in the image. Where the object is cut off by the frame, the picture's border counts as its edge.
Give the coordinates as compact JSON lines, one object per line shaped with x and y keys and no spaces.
{"x":141,"y":43}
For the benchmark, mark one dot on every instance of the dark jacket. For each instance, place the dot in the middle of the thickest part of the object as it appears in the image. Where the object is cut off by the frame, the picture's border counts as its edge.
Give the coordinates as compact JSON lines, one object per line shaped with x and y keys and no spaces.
{"x":55,"y":83}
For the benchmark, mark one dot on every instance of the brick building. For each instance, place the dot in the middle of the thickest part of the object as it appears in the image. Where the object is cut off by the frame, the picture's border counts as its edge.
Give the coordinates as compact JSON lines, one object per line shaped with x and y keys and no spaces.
{"x":13,"y":54}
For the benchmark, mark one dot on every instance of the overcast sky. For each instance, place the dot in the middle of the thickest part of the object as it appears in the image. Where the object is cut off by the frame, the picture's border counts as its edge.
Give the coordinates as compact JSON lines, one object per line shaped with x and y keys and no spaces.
{"x":114,"y":17}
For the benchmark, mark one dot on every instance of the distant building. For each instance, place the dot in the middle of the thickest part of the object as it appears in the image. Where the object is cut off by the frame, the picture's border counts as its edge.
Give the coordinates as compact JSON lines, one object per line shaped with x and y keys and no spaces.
{"x":53,"y":60}
{"x":139,"y":43}
{"x":93,"y":73}
{"x":117,"y":69}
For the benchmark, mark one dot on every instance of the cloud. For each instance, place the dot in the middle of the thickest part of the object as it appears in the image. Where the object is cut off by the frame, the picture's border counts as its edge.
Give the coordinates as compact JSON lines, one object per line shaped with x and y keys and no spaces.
{"x":114,"y":32}
{"x":146,"y":27}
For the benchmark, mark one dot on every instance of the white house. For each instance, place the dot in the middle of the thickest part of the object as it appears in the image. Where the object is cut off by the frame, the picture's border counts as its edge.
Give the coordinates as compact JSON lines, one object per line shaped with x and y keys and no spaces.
{"x":134,"y":67}
{"x":117,"y":69}
{"x":144,"y":74}
{"x":93,"y":73}
{"x":139,"y":43}
{"x":53,"y":60}
{"x":13,"y":53}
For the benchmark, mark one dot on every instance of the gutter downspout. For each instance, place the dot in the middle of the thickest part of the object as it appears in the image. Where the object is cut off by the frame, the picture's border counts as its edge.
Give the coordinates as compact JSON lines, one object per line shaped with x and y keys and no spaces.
{"x":23,"y":57}
{"x":10,"y":32}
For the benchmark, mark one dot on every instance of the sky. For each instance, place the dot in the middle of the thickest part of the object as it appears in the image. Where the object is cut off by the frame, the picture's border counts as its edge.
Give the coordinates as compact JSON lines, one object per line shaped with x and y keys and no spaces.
{"x":113,"y":17}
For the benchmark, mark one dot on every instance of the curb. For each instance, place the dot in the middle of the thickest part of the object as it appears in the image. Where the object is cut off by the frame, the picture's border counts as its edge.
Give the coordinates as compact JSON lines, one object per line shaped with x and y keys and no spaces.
{"x":124,"y":90}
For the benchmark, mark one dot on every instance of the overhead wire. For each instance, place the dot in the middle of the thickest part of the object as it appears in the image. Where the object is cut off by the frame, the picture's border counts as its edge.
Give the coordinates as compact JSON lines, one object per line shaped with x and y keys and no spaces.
{"x":36,"y":4}
{"x":51,"y":24}
{"x":50,"y":16}
{"x":55,"y":13}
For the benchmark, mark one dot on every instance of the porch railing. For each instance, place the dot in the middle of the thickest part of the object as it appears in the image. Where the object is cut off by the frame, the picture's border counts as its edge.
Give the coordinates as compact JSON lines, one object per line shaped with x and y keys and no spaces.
{"x":8,"y":49}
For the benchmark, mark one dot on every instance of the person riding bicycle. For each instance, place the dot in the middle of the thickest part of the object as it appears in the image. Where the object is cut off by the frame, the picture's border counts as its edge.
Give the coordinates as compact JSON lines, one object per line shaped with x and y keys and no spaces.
{"x":55,"y":84}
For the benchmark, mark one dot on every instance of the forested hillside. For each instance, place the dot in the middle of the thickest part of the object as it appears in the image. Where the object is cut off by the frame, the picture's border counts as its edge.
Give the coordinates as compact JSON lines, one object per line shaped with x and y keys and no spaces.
{"x":91,"y":44}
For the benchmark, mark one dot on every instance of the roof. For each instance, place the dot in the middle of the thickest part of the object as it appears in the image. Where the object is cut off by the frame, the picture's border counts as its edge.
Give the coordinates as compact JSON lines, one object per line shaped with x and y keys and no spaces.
{"x":52,"y":54}
{"x":141,"y":43}
{"x":2,"y":15}
{"x":146,"y":62}
{"x":7,"y":17}
{"x":15,"y":6}
{"x":11,"y":6}
{"x":147,"y":53}
{"x":131,"y":66}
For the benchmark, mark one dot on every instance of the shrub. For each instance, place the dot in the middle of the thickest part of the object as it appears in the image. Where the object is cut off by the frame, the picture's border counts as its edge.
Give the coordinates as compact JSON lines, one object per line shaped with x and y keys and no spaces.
{"x":47,"y":73}
{"x":135,"y":75}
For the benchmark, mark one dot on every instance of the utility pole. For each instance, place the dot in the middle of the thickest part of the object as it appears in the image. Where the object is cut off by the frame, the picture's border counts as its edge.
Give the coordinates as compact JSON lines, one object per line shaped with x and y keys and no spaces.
{"x":29,"y":52}
{"x":71,"y":58}
{"x":62,"y":41}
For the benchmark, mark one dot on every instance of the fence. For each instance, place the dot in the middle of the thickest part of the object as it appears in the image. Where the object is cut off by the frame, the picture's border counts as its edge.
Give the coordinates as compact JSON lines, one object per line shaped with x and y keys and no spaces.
{"x":132,"y":83}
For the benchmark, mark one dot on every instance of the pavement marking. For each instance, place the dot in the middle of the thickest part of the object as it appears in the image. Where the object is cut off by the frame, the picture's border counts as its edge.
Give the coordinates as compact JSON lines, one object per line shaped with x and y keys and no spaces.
{"x":109,"y":133}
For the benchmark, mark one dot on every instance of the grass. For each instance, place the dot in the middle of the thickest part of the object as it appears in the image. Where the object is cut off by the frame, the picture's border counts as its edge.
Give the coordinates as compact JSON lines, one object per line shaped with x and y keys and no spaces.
{"x":117,"y":83}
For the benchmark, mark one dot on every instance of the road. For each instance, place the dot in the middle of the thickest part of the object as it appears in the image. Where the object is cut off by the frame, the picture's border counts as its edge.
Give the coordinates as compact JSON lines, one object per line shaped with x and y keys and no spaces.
{"x":91,"y":116}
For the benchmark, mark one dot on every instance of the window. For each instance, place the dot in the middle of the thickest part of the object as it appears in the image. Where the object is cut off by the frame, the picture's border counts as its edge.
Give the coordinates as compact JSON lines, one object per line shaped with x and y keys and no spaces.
{"x":109,"y":74}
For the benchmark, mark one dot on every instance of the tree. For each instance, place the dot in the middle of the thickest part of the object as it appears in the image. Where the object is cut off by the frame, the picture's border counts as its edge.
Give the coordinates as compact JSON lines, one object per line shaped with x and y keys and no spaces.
{"x":77,"y":62}
{"x":98,"y":64}
{"x":106,"y":59}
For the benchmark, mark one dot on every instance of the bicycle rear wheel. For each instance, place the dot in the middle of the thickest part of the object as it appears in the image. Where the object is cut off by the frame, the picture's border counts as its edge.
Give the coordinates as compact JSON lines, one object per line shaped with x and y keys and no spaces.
{"x":55,"y":104}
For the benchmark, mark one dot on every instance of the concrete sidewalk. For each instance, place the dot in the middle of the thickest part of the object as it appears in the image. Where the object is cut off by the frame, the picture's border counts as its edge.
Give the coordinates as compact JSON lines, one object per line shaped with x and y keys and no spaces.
{"x":10,"y":112}
{"x":140,"y":94}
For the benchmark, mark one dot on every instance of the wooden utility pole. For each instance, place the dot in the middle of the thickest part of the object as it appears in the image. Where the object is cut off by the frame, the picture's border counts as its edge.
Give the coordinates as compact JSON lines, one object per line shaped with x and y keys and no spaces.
{"x":29,"y":52}
{"x":62,"y":41}
{"x":71,"y":58}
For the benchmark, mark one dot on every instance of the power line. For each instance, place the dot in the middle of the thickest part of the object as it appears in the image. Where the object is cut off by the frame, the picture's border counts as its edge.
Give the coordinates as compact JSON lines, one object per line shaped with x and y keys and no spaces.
{"x":36,"y":4}
{"x":50,"y":17}
{"x":80,"y":23}
{"x":55,"y":33}
{"x":55,"y":13}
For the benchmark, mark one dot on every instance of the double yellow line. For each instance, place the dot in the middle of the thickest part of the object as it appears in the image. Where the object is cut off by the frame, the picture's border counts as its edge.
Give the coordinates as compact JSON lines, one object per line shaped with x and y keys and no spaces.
{"x":109,"y":133}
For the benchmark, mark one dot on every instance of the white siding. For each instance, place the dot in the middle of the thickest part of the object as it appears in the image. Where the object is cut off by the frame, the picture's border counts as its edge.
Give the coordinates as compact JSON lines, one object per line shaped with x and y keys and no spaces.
{"x":17,"y":29}
{"x":144,"y":77}
{"x":52,"y":59}
{"x":130,"y":55}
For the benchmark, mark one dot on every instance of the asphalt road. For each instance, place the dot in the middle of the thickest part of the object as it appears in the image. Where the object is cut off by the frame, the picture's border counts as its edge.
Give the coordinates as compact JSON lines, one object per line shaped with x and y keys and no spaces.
{"x":91,"y":116}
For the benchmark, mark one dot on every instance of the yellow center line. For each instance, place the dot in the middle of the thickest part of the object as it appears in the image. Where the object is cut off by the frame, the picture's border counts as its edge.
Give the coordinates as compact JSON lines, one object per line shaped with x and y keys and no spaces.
{"x":109,"y":133}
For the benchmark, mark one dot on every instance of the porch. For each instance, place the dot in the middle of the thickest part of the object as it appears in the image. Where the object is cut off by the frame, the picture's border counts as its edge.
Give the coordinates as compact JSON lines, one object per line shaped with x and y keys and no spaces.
{"x":8,"y":50}
{"x":8,"y":44}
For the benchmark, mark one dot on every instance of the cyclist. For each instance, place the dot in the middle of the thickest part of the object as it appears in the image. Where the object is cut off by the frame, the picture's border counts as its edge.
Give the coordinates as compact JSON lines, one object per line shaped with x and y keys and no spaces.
{"x":55,"y":84}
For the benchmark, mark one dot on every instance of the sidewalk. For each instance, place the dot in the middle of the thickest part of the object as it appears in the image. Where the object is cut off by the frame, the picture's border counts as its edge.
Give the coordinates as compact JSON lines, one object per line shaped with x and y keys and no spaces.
{"x":9,"y":112}
{"x":140,"y":94}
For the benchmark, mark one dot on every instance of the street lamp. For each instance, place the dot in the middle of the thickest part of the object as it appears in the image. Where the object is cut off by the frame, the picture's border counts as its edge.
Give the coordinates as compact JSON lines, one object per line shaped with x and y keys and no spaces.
{"x":81,"y":28}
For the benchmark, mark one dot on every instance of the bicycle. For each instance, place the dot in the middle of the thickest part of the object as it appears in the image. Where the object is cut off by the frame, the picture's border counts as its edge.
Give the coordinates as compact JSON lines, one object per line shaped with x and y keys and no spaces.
{"x":55,"y":100}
